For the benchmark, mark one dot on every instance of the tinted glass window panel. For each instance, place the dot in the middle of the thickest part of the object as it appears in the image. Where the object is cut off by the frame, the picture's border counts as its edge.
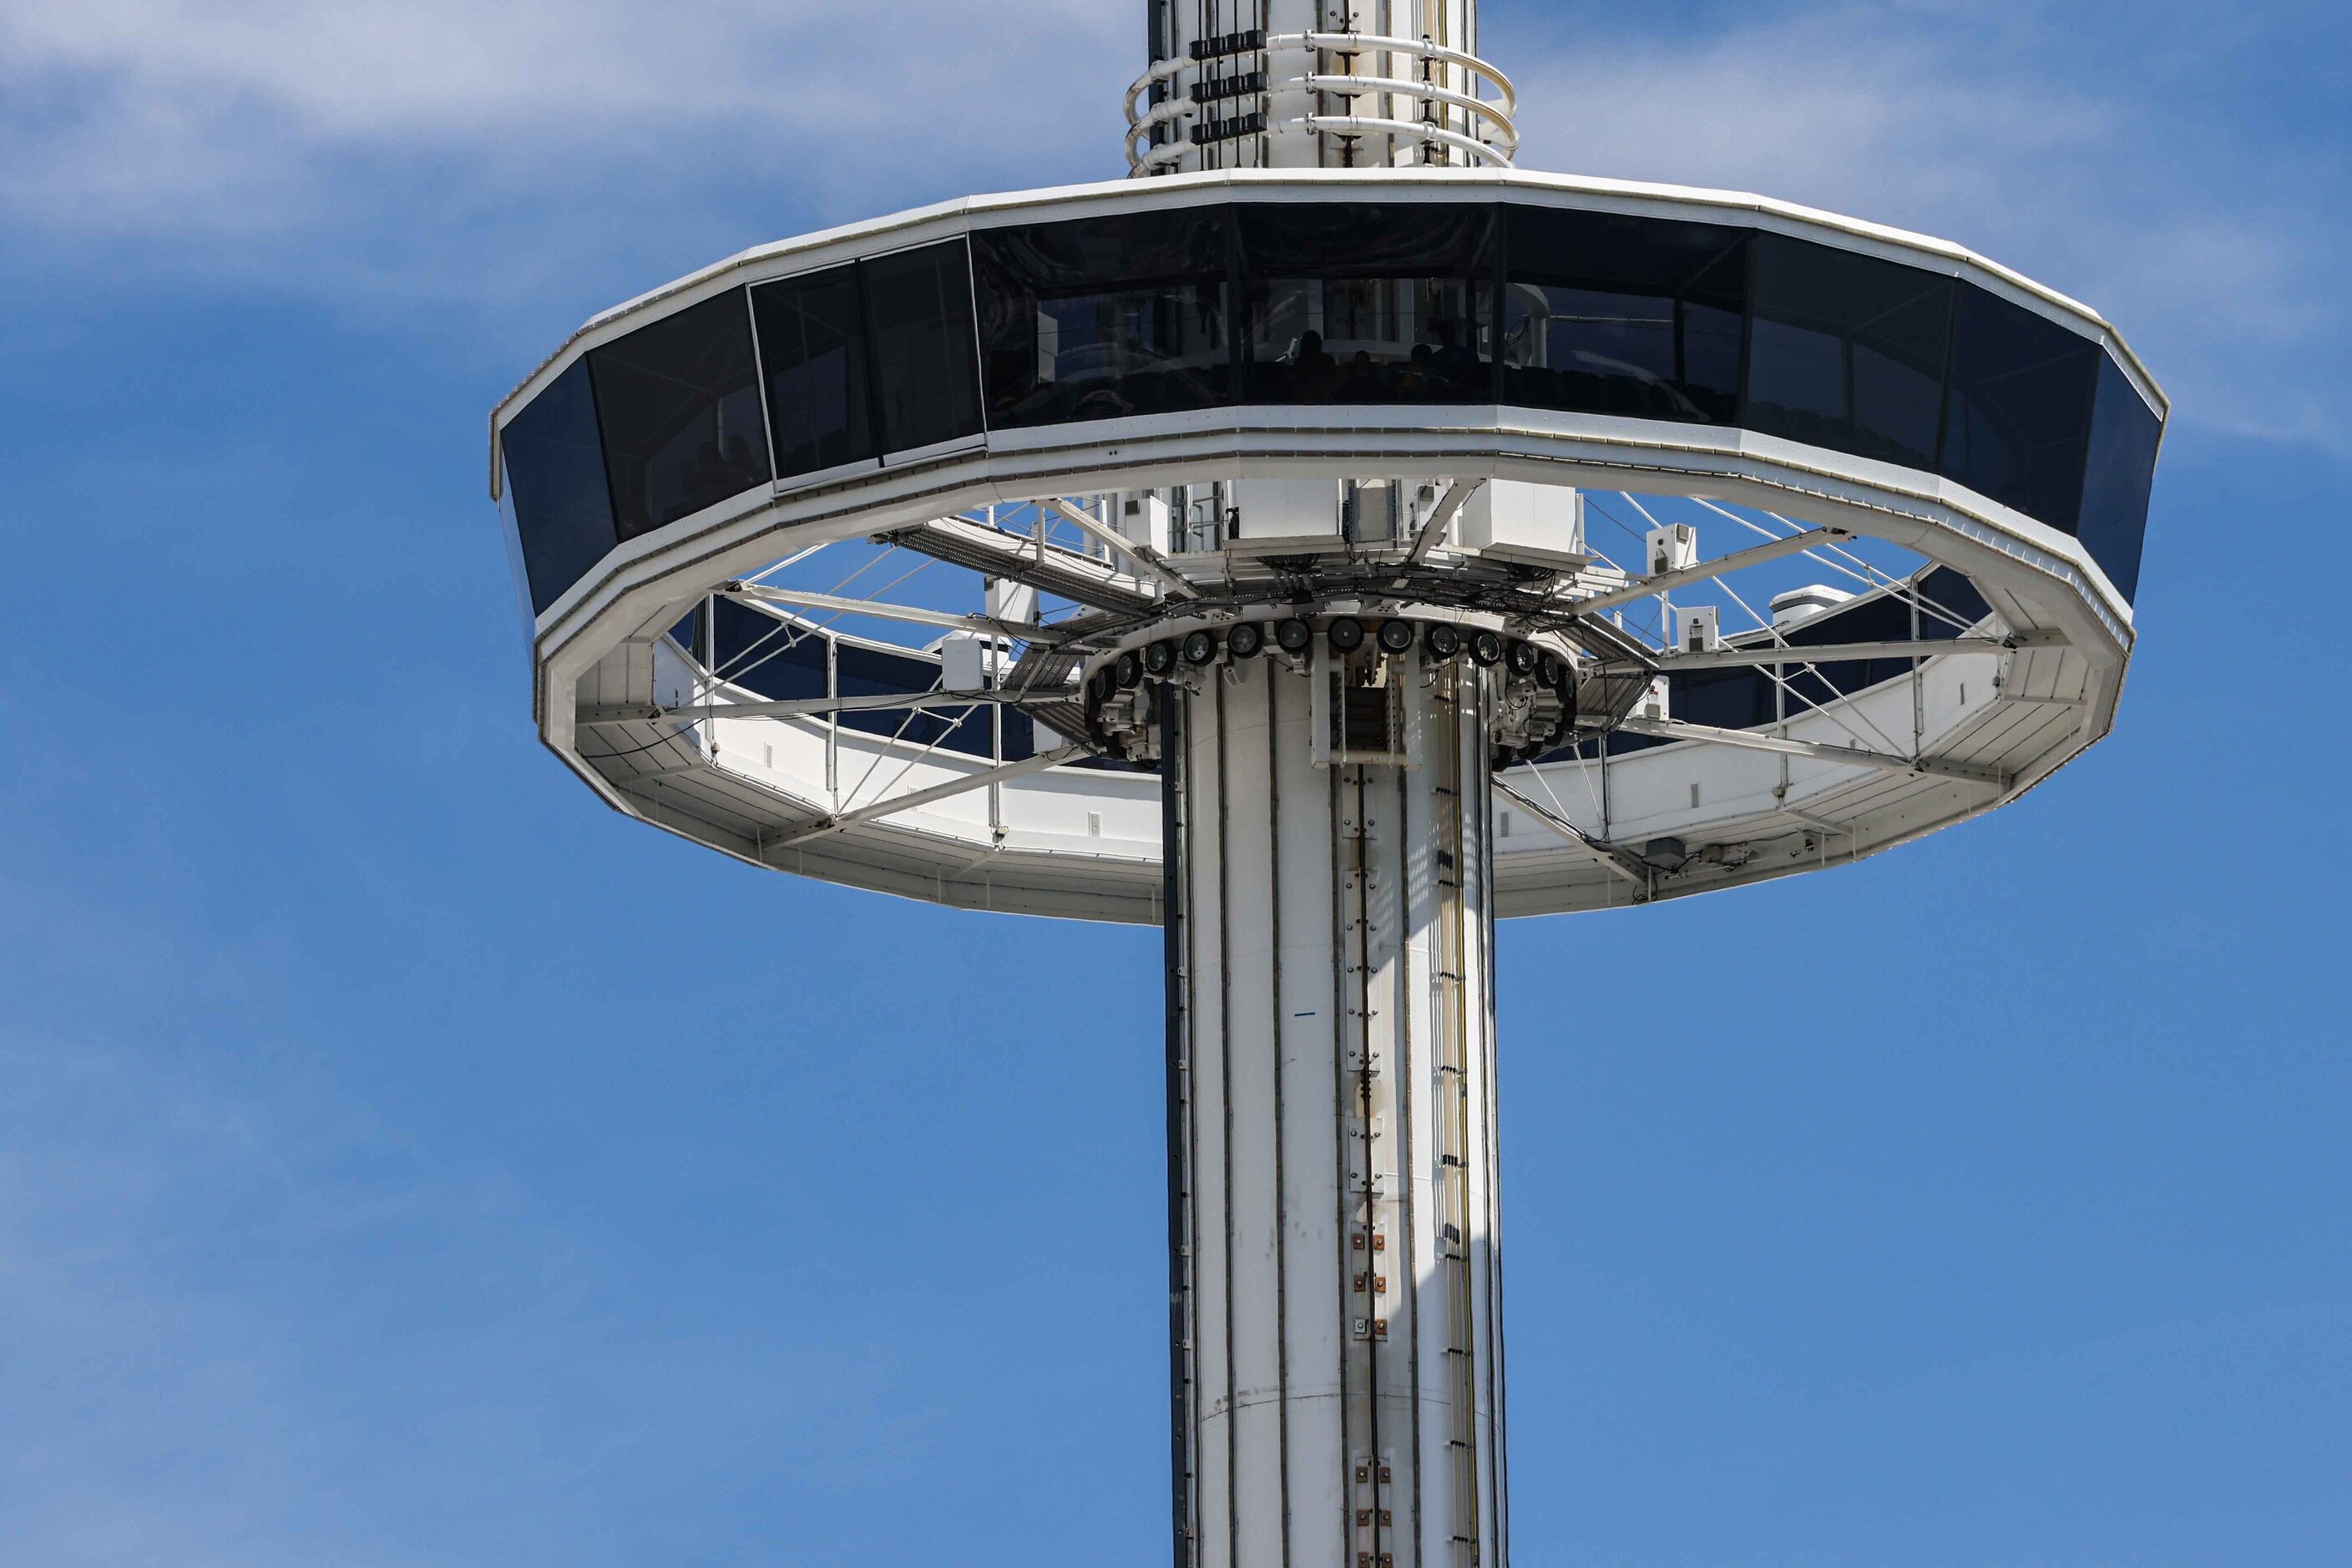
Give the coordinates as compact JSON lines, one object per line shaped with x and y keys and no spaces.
{"x":778,"y":659}
{"x":687,"y":634}
{"x":973,"y":734}
{"x":1725,"y":698}
{"x":2120,"y":477}
{"x":865,"y":671}
{"x":920,"y":327}
{"x":1103,"y":318}
{"x":2017,"y":423}
{"x":1592,"y":351}
{"x":813,"y":347}
{"x":555,"y":472}
{"x":679,"y":405}
{"x":1953,"y":593}
{"x":1022,"y":736}
{"x":1713,"y":341}
{"x":1847,"y":351}
{"x":878,"y":672}
{"x":1884,"y":619}
{"x":1353,"y":302}
{"x":1609,"y":314}
{"x":1715,"y":336}
{"x":1798,"y":384}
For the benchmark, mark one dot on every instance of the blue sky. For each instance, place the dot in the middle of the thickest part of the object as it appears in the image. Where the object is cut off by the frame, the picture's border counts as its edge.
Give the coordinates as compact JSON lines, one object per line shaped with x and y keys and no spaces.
{"x":405,"y":1160}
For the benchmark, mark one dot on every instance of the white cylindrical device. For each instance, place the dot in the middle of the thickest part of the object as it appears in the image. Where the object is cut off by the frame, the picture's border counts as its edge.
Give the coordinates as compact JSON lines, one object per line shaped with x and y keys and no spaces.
{"x":1336,"y":1369}
{"x":1304,"y":84}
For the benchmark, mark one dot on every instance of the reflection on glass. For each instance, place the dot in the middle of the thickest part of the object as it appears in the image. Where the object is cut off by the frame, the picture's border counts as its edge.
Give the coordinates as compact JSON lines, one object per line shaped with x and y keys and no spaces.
{"x":679,"y":405}
{"x":1351,"y":302}
{"x":1369,"y":340}
{"x":555,"y":471}
{"x":1848,"y":350}
{"x":2017,"y":422}
{"x":2124,"y":434}
{"x":1609,"y":314}
{"x":918,"y":311}
{"x":813,"y":347}
{"x":1348,"y":302}
{"x":1104,"y":317}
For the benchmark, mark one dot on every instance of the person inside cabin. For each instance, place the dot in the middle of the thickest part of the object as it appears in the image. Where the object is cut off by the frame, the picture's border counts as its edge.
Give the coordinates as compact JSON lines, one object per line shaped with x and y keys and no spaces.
{"x":1312,"y":368}
{"x":1453,"y":361}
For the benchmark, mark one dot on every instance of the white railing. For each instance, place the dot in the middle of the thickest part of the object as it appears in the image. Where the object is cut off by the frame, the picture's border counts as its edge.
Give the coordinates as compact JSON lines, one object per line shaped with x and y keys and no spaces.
{"x":1491,"y":139}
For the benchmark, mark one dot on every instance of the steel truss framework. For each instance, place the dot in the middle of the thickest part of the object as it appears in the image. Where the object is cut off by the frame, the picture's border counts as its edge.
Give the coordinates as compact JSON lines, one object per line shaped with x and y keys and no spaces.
{"x":1111,"y":595}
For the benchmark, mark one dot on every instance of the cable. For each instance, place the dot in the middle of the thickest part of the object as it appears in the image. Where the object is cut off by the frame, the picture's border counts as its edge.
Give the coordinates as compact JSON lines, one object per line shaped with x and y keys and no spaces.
{"x":641,"y":751}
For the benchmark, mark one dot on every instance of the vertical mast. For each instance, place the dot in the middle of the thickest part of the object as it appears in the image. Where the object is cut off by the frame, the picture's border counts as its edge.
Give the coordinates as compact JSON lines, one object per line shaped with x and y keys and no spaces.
{"x":1304,"y":84}
{"x":1333,"y":1252}
{"x":1334,"y":1277}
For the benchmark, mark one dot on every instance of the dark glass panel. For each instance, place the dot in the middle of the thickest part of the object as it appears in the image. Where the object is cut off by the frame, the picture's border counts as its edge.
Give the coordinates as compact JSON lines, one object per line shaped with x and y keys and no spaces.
{"x":1618,"y":743}
{"x":1104,"y":317}
{"x":1715,"y":336}
{"x":1023,"y":737}
{"x":688,"y":634}
{"x":974,"y":733}
{"x":1354,"y":302}
{"x":2017,"y":423}
{"x":879,"y":672}
{"x":781,"y":660}
{"x":555,"y":472}
{"x":813,"y":347}
{"x":1725,"y":698}
{"x":1847,"y":351}
{"x":1611,"y":314}
{"x":679,"y":405}
{"x":1951,"y":591}
{"x":1883,"y":619}
{"x":2119,"y":478}
{"x":918,"y":322}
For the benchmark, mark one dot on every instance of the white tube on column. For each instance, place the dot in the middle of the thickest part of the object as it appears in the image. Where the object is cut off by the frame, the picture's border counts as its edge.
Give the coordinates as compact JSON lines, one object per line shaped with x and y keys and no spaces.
{"x":1337,"y":1153}
{"x":1175,"y":26}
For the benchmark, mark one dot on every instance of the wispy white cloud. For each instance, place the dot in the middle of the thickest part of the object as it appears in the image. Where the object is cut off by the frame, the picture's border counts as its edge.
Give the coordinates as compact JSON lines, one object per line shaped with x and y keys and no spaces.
{"x":461,"y":148}
{"x":454,"y":146}
{"x":455,"y":71}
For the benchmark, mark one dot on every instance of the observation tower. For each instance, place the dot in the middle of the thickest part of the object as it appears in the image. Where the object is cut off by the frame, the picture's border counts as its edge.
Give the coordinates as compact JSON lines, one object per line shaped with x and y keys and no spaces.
{"x":1322,"y":543}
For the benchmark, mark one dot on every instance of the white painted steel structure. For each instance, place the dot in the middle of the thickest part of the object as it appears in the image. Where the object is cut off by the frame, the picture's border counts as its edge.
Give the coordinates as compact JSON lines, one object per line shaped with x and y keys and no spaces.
{"x":1340,"y":1283}
{"x":1290,"y":626}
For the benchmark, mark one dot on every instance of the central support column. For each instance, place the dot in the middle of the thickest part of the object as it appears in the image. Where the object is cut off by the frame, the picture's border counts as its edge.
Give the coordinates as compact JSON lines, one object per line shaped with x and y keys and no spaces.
{"x":1175,"y":26}
{"x":1335,"y":1279}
